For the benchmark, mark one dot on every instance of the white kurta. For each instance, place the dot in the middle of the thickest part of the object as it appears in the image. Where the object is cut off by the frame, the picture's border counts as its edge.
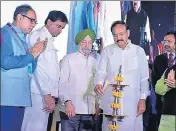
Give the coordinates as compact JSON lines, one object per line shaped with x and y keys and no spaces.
{"x":76,"y":82}
{"x":135,"y":72}
{"x":45,"y":80}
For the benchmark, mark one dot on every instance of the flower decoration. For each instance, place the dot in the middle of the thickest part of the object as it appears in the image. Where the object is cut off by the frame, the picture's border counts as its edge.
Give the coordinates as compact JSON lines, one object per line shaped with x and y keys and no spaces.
{"x":113,"y":127}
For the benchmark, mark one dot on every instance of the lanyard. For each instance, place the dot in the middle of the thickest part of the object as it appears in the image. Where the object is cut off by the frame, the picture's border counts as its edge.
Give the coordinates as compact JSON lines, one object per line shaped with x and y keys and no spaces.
{"x":17,"y":35}
{"x":29,"y":66}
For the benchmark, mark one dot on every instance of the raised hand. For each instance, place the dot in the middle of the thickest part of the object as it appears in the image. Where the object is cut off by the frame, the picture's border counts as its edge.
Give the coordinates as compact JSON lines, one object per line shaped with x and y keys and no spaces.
{"x":170,"y":81}
{"x":38,"y":47}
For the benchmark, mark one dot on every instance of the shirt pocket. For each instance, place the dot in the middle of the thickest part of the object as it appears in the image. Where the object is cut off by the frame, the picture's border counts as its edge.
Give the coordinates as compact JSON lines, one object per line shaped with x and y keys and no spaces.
{"x":131,"y":63}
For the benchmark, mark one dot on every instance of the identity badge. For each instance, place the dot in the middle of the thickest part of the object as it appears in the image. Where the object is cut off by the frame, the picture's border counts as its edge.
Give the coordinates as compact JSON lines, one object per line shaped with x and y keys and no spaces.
{"x":30,"y":68}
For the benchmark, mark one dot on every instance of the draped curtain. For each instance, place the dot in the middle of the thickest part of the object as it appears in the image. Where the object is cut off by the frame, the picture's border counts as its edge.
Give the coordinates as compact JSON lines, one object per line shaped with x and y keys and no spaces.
{"x":81,"y":17}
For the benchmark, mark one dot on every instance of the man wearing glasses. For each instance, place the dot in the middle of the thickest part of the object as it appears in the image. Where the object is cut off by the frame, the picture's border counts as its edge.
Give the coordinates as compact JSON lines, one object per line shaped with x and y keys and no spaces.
{"x":32,"y":20}
{"x":17,"y":64}
{"x":45,"y":79}
{"x":161,"y":63}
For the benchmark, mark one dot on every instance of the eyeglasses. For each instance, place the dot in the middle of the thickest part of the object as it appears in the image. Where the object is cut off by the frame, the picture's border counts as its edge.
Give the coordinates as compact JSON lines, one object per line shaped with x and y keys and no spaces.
{"x":34,"y":21}
{"x":166,"y":42}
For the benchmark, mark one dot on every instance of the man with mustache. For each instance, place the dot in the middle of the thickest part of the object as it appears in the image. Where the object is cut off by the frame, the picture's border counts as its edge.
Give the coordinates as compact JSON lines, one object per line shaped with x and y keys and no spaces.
{"x":161,"y":63}
{"x":134,"y":68}
{"x":76,"y":85}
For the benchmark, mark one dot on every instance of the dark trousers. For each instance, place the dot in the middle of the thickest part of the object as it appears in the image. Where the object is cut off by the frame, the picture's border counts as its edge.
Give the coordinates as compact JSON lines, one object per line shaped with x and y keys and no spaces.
{"x":149,"y":119}
{"x":50,"y":121}
{"x":81,"y":122}
{"x":99,"y":121}
{"x":11,"y":118}
{"x":149,"y":122}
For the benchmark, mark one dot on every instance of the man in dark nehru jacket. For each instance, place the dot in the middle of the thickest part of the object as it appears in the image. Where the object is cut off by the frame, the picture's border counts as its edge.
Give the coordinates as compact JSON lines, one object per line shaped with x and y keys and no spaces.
{"x":138,"y":23}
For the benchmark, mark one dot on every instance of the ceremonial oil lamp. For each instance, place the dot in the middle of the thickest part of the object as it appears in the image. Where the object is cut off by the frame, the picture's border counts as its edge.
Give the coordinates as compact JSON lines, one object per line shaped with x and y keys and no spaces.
{"x":117,"y":105}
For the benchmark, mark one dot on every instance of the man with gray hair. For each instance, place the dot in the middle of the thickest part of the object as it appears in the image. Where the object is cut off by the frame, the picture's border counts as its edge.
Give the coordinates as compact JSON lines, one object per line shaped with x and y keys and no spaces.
{"x":17,"y":64}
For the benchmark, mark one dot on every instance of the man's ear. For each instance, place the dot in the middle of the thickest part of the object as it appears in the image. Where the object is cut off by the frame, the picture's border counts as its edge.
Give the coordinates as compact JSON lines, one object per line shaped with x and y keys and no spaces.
{"x":49,"y":22}
{"x":19,"y":17}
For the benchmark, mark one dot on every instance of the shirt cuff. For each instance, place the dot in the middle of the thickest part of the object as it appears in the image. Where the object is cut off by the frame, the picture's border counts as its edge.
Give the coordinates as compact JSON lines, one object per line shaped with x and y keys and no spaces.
{"x":30,"y":56}
{"x":143,"y":96}
{"x":54,"y":93}
{"x":46,"y":93}
{"x":99,"y":83}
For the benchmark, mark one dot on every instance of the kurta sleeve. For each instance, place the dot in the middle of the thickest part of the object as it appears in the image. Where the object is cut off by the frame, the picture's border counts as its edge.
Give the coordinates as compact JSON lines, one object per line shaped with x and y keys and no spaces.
{"x":144,"y":75}
{"x":40,"y":75}
{"x":101,"y":69}
{"x":48,"y":73}
{"x":64,"y":80}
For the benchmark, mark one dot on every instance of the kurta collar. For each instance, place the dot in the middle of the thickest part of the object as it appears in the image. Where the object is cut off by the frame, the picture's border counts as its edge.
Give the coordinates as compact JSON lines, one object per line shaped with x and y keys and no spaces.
{"x":79,"y":53}
{"x":50,"y":37}
{"x":48,"y":34}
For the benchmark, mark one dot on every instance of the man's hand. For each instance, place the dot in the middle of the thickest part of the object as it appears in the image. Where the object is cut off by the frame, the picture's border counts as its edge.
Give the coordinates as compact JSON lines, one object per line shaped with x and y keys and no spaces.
{"x":170,"y":81}
{"x":50,"y":103}
{"x":141,"y":107}
{"x":69,"y":109}
{"x":99,"y":89}
{"x":38,"y":47}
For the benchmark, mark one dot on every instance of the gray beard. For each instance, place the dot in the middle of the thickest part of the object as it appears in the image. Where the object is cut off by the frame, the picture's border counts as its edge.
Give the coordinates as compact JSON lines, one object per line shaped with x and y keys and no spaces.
{"x":85,"y":52}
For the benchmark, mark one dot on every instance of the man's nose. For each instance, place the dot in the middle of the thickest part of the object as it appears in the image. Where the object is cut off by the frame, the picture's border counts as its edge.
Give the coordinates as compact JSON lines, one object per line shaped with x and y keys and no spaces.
{"x":59,"y":30}
{"x":87,"y":44}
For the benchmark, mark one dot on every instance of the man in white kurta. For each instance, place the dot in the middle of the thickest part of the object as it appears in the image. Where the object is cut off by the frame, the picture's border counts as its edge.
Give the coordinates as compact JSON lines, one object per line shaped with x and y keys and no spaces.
{"x":135,"y":72}
{"x":76,"y":85}
{"x":45,"y":80}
